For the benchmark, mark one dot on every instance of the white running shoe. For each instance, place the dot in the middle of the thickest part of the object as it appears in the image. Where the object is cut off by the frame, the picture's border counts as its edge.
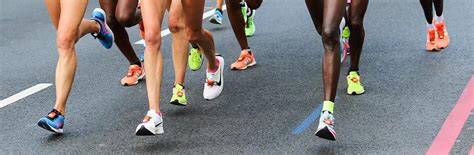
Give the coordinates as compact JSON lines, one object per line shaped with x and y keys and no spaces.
{"x":214,"y":81}
{"x":326,"y":126}
{"x":152,"y":125}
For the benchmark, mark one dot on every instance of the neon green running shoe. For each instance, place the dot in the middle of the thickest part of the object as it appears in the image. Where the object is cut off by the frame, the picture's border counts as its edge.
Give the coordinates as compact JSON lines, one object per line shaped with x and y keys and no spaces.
{"x":179,"y":95}
{"x":354,"y":87}
{"x":250,"y":26}
{"x":195,"y":59}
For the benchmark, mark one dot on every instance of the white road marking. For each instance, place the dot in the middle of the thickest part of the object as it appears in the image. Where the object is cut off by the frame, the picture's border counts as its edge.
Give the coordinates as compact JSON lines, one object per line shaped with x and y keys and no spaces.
{"x":167,"y":31}
{"x":24,"y":93}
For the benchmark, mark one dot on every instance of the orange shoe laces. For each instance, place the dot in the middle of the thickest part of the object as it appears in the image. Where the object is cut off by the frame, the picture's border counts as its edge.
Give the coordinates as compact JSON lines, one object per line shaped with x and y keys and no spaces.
{"x":134,"y":70}
{"x":440,"y":29}
{"x":432,"y":35}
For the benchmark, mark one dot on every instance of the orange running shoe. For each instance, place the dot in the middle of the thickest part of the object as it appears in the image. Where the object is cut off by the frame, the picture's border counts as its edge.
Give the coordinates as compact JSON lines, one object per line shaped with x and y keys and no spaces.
{"x":430,"y":41}
{"x":135,"y":73}
{"x":246,"y":59}
{"x":443,"y":39}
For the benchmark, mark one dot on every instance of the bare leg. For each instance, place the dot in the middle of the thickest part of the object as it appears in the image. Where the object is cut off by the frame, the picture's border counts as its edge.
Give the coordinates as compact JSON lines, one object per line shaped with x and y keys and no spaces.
{"x":196,"y":34}
{"x":152,"y":12}
{"x":356,"y":25}
{"x":180,"y":41}
{"x":67,"y":18}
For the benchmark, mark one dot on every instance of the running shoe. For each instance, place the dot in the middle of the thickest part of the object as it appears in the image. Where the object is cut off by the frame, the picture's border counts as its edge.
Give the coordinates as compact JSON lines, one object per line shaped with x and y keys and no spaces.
{"x":354,"y":87}
{"x":216,"y":18}
{"x":443,"y":39}
{"x":430,"y":40}
{"x":152,"y":125}
{"x":250,"y":26}
{"x":54,"y":122}
{"x":179,"y":95}
{"x":195,"y":59}
{"x":246,"y":59}
{"x":326,"y":122}
{"x":105,"y":35}
{"x":135,"y":74}
{"x":214,"y":81}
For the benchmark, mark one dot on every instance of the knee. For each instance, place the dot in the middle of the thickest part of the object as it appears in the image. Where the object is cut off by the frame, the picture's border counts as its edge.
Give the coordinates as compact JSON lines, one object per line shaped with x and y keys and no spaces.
{"x":330,"y":37}
{"x":175,"y":24}
{"x":356,"y":25}
{"x":152,"y":39}
{"x":125,"y":19}
{"x":193,"y":35}
{"x":65,"y":41}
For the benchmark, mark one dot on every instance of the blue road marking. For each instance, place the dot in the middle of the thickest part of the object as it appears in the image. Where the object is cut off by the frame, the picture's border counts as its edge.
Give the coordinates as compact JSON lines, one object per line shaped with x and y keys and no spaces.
{"x":308,"y":121}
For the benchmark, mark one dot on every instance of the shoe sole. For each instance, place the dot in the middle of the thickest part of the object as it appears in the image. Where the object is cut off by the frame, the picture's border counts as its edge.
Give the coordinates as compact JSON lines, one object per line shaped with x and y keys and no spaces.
{"x":214,"y":21}
{"x":145,"y":132}
{"x":354,"y":93}
{"x":176,"y":102}
{"x":325,"y":134}
{"x":249,"y":65}
{"x":49,"y":128}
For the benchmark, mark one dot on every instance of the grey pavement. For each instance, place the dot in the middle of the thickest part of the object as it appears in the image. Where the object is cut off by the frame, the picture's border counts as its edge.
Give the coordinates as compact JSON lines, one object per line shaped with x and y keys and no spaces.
{"x":409,"y":92}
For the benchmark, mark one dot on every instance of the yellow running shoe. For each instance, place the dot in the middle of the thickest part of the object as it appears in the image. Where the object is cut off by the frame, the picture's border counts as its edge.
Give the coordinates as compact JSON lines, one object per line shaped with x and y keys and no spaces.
{"x":179,"y":95}
{"x":354,"y":87}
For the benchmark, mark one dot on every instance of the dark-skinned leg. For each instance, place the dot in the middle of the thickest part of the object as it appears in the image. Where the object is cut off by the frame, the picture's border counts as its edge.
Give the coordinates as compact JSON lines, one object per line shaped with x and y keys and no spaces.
{"x":121,"y":35}
{"x":333,"y":12}
{"x":438,"y":4}
{"x":356,"y":25}
{"x":237,"y":22}
{"x":127,"y":13}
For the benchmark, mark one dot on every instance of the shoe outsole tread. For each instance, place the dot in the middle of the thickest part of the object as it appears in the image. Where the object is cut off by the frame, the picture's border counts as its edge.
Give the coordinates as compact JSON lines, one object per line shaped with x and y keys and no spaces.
{"x":325,"y":134}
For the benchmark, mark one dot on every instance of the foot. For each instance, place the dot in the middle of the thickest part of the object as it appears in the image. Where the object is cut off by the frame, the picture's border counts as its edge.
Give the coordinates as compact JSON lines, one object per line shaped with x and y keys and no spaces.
{"x":214,"y":81}
{"x":135,"y":74}
{"x":354,"y":87}
{"x":216,"y":18}
{"x":105,"y":35}
{"x":442,"y":39}
{"x":250,"y":26}
{"x":326,"y":122}
{"x":152,"y":125}
{"x":195,"y":59}
{"x":54,"y":122}
{"x":246,"y":59}
{"x":179,"y":95}
{"x":430,"y":40}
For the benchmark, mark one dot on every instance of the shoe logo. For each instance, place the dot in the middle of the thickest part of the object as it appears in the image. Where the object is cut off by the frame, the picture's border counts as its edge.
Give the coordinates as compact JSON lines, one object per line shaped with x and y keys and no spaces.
{"x":158,"y":124}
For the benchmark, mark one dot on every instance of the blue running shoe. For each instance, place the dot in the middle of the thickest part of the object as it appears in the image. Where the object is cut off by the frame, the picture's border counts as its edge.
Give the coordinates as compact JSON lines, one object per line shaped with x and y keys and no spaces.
{"x":105,"y":35}
{"x":216,"y":18}
{"x":54,"y":122}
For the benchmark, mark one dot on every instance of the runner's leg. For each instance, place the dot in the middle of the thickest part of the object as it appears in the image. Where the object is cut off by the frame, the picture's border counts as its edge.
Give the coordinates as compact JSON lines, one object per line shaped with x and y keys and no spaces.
{"x":152,"y":13}
{"x":127,"y":13}
{"x":196,"y":34}
{"x":180,"y":42}
{"x":121,"y":35}
{"x":356,"y":17}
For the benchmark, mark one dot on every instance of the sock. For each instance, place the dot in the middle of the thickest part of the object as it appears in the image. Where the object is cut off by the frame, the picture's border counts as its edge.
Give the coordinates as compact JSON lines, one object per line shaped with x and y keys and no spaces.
{"x":429,"y":26}
{"x":439,"y":18}
{"x":328,"y":106}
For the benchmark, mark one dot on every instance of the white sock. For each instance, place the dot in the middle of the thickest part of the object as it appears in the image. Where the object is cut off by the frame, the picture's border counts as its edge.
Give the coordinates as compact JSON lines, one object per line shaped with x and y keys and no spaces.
{"x":429,"y":26}
{"x":439,"y":18}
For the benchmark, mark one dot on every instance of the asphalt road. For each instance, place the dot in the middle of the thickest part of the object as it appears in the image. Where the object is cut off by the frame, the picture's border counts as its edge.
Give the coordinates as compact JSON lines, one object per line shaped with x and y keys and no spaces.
{"x":409,"y":92}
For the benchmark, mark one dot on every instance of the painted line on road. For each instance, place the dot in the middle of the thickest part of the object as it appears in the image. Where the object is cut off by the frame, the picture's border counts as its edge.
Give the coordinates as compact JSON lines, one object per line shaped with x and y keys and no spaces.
{"x":308,"y":121}
{"x":454,"y":123}
{"x":167,"y":31}
{"x":24,"y":93}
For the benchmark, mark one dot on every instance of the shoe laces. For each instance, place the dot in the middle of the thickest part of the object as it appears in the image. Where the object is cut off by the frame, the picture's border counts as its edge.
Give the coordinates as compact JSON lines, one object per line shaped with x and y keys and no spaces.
{"x":440,"y":29}
{"x":196,"y":56}
{"x":431,"y":35}
{"x":244,"y":56}
{"x":53,"y":114}
{"x":133,"y":70}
